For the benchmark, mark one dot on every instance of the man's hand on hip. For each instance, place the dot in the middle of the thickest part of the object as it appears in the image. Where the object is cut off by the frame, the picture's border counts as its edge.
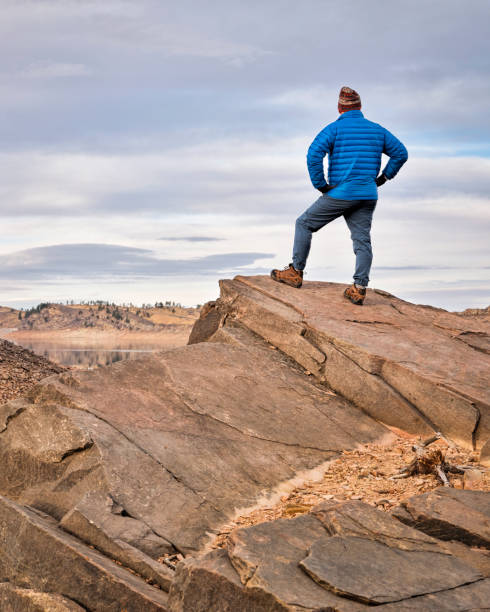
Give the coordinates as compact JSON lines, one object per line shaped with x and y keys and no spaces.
{"x":381,"y":180}
{"x":326,"y":188}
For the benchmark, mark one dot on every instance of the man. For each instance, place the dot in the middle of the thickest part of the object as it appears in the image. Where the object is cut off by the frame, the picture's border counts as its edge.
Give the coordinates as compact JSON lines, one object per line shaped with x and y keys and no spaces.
{"x":354,"y":146}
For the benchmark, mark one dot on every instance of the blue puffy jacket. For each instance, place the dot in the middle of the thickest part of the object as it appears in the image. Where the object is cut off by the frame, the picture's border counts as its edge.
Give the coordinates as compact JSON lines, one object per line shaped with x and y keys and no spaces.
{"x":354,"y":146}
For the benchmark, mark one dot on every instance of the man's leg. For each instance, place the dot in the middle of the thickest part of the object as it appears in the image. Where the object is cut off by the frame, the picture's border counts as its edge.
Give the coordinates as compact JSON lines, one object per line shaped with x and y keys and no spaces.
{"x":320,"y":213}
{"x":359,"y":220}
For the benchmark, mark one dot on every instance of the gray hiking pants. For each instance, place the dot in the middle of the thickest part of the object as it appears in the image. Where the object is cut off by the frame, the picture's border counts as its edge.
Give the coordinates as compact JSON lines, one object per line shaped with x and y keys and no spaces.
{"x":358,"y":215}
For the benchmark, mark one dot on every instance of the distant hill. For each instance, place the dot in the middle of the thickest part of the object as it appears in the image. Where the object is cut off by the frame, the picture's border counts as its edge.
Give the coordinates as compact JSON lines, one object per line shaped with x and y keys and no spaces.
{"x":106,"y":317}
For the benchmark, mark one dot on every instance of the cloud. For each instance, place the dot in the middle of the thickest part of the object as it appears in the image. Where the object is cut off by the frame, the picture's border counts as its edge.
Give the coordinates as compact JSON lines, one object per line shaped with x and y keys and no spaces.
{"x":461,"y":298}
{"x":131,"y":116}
{"x":191,"y":43}
{"x":217,"y":67}
{"x":96,"y":261}
{"x":248,"y":177}
{"x":414,"y":268}
{"x":52,"y":70}
{"x":13,"y":288}
{"x":128,"y":28}
{"x":225,"y":176}
{"x":190,"y":239}
{"x":419,"y":111}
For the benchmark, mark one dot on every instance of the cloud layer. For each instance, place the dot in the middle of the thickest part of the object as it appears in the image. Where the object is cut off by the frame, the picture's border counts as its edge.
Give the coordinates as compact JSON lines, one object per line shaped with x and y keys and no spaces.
{"x":173,"y":137}
{"x":102,"y":261}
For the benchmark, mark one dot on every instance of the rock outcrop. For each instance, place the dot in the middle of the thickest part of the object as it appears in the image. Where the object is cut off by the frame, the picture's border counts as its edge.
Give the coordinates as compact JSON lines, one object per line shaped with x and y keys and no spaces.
{"x":149,"y":458}
{"x":417,"y":368}
{"x":111,"y":474}
{"x":178,"y":441}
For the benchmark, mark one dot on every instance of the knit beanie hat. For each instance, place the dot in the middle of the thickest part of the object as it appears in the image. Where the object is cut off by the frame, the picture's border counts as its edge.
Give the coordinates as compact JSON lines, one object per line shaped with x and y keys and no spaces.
{"x":349,"y":99}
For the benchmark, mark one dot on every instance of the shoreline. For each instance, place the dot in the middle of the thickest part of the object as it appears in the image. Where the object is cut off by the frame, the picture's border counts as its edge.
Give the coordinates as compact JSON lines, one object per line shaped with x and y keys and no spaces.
{"x":49,"y":342}
{"x":95,"y":335}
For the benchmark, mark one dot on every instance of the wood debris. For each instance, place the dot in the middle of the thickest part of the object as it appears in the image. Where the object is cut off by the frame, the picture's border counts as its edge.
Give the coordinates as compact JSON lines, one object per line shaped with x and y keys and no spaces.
{"x":431,"y":461}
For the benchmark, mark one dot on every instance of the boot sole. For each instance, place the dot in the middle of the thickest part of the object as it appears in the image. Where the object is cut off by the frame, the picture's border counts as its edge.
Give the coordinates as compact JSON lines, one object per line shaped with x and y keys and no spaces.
{"x":280,"y":280}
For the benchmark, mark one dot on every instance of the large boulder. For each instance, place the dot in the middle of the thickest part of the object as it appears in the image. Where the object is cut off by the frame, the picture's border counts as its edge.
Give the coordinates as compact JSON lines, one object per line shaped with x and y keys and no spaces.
{"x":414,"y":367}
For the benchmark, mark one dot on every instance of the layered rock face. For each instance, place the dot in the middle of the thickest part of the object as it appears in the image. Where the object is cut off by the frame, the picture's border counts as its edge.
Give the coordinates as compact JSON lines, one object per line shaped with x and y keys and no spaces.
{"x":417,"y":368}
{"x":150,"y":457}
{"x":177,"y":441}
{"x":106,"y":474}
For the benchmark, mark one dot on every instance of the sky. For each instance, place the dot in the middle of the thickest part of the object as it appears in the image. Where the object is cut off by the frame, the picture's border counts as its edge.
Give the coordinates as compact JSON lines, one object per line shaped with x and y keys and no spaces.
{"x":149,"y":148}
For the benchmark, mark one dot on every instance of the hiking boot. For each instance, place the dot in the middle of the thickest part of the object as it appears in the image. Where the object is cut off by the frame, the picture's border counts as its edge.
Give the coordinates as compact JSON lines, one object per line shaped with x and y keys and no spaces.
{"x":355,"y":294}
{"x":290,"y":276}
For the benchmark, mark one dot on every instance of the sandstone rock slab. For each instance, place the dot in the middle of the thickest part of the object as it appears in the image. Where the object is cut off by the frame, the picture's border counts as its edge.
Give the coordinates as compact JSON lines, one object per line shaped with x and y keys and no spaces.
{"x":450,"y":514}
{"x":36,"y":554}
{"x":471,"y":598}
{"x":485,"y":454}
{"x":100,"y":512}
{"x":178,"y":440}
{"x":373,"y":573}
{"x":207,"y":324}
{"x":345,"y":557}
{"x":267,"y":557}
{"x":414,"y":367}
{"x":16,"y":599}
{"x":358,"y":519}
{"x":211,"y":584}
{"x":97,"y":520}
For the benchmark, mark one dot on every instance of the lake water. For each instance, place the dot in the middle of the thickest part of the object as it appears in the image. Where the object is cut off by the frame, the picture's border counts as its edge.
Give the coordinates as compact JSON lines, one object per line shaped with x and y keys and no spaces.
{"x":86,"y":358}
{"x":89,"y":355}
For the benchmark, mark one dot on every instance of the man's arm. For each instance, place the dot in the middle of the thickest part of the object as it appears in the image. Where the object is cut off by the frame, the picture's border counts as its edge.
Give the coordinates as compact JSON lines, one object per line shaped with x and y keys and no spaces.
{"x":318,"y":149}
{"x":397,"y":153}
